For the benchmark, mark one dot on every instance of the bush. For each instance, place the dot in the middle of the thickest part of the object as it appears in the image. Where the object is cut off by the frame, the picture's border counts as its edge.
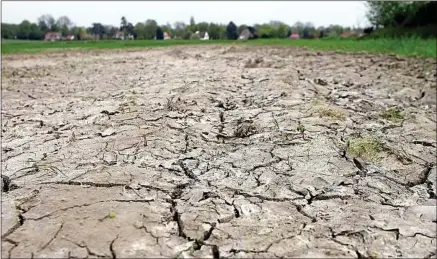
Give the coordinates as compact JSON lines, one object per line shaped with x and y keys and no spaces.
{"x":195,"y":36}
{"x":429,"y":31}
{"x":368,"y":30}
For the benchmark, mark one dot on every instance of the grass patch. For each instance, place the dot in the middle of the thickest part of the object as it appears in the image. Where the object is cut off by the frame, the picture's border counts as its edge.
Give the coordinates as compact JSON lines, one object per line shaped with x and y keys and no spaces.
{"x":317,"y":102}
{"x":325,"y":111}
{"x":332,"y":113}
{"x":392,"y":114}
{"x":368,"y":148}
{"x":416,"y":47}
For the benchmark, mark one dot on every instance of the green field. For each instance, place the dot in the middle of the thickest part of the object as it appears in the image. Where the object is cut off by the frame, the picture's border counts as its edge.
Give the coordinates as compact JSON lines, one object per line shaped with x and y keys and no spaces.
{"x":403,"y":47}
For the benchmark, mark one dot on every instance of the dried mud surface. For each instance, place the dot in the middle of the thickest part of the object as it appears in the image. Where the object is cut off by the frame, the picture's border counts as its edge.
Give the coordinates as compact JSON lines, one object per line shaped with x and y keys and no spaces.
{"x":218,"y":151}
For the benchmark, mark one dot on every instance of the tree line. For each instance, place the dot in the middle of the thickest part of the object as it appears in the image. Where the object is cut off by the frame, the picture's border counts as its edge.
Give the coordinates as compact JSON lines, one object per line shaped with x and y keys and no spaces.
{"x":150,"y":28}
{"x":384,"y":14}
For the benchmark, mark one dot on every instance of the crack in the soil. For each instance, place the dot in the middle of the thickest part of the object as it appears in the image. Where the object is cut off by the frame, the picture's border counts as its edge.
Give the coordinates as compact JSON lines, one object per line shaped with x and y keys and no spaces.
{"x":266,"y":249}
{"x":53,"y":238}
{"x":87,"y":249}
{"x":300,"y":209}
{"x":188,"y":172}
{"x":430,"y":255}
{"x":150,"y":233}
{"x":357,"y":252}
{"x":422,"y":177}
{"x":150,"y":187}
{"x":272,"y":162}
{"x":20,"y":221}
{"x":111,"y":248}
{"x":430,"y":190}
{"x":15,"y":243}
{"x":261,"y":197}
{"x":198,"y":242}
{"x":393,"y":230}
{"x":103,"y":185}
{"x":424,"y":143}
{"x":175,"y":195}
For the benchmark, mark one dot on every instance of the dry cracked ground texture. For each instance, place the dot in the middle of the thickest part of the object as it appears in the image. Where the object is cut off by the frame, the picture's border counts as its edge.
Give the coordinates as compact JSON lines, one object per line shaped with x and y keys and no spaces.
{"x":218,"y":151}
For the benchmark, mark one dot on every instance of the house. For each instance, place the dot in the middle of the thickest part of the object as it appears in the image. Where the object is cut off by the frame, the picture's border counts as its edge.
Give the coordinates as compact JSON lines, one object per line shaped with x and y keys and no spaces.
{"x":203,"y":35}
{"x":119,"y":35}
{"x":166,"y":36}
{"x":69,"y":37}
{"x":248,"y":34}
{"x":294,"y":36}
{"x":130,"y":37}
{"x":52,"y":36}
{"x":245,"y":34}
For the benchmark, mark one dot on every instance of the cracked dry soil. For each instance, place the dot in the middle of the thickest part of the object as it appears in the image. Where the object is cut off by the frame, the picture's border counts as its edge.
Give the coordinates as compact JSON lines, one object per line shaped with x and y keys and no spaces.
{"x":217,"y":151}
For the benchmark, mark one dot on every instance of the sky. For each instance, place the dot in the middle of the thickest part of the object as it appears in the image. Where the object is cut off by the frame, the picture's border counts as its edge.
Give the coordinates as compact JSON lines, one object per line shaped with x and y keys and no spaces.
{"x":84,"y":13}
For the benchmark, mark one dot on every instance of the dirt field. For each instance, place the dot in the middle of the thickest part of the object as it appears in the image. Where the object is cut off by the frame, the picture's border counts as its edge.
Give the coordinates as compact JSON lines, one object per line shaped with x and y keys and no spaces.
{"x":218,"y":151}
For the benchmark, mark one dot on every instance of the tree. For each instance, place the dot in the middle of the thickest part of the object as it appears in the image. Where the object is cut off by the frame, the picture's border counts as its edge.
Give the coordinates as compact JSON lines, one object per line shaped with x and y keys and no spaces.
{"x":179,"y":29}
{"x":289,"y":32}
{"x":195,"y":36}
{"x":192,"y":27}
{"x":203,"y":26}
{"x":111,"y":31}
{"x":98,"y":30}
{"x":266,"y":31}
{"x":35,"y":32}
{"x":150,"y":29}
{"x":123,"y":23}
{"x":179,"y":25}
{"x":159,"y":33}
{"x":282,"y":31}
{"x":401,"y":13}
{"x":308,"y":25}
{"x":192,"y":22}
{"x":215,"y":31}
{"x":80,"y":35}
{"x":231,"y":31}
{"x":46,"y":22}
{"x":335,"y":30}
{"x":306,"y":33}
{"x":139,"y":30}
{"x":9,"y":31}
{"x":130,"y":29}
{"x":167,"y":28}
{"x":64,"y":24}
{"x":298,"y":27}
{"x":24,"y":29}
{"x":322,"y":34}
{"x":187,"y":35}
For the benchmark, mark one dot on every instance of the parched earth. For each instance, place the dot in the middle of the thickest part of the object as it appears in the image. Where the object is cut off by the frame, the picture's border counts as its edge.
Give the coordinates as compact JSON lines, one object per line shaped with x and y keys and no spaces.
{"x":218,"y":151}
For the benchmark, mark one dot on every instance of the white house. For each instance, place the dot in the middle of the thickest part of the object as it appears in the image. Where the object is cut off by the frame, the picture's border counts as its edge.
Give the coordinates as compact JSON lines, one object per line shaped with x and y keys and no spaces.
{"x":205,"y":37}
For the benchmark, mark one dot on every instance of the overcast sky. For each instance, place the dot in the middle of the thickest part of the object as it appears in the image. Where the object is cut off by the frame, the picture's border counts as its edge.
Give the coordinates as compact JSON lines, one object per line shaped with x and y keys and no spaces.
{"x":84,"y":13}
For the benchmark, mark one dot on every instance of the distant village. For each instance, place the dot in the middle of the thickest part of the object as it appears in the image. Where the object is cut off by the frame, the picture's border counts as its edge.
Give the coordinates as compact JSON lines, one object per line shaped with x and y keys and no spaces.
{"x":246,"y":34}
{"x":63,"y":29}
